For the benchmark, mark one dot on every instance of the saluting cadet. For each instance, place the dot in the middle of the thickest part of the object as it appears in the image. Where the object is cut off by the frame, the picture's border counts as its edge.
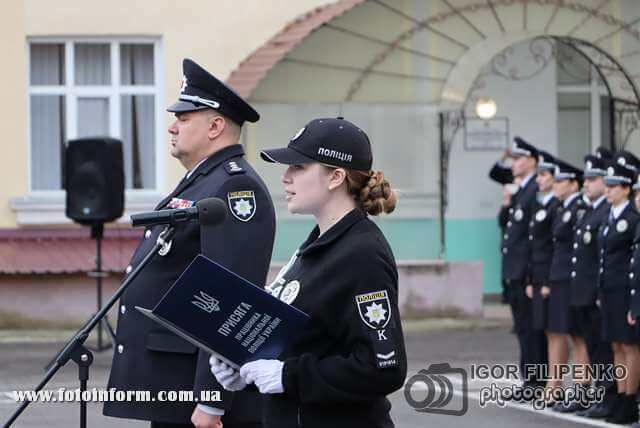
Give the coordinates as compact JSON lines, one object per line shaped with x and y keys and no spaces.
{"x":566,"y":187}
{"x":204,"y":138}
{"x":541,"y":242}
{"x":516,"y":250}
{"x":616,"y":239}
{"x":351,"y":354}
{"x":501,"y":173}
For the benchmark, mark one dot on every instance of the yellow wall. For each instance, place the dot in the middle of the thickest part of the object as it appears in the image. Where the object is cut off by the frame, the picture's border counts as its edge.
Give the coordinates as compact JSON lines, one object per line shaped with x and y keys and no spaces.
{"x":13,"y":161}
{"x":216,"y":33}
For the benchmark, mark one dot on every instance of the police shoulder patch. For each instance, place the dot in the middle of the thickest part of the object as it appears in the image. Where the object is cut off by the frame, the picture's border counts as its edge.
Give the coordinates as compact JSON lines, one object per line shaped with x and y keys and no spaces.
{"x":242,"y":204}
{"x":374,"y":308}
{"x":375,"y":312}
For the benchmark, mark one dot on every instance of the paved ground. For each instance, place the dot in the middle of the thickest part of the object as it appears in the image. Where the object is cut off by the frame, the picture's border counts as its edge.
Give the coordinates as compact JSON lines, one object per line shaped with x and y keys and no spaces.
{"x":460,"y":344}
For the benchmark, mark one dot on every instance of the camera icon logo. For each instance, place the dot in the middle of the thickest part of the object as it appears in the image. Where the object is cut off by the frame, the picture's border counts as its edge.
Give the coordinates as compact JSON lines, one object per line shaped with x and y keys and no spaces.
{"x":433,"y":391}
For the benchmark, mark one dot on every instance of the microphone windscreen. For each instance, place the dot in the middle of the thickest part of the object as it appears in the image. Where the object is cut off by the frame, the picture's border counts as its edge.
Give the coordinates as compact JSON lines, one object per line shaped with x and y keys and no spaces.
{"x":211,"y":211}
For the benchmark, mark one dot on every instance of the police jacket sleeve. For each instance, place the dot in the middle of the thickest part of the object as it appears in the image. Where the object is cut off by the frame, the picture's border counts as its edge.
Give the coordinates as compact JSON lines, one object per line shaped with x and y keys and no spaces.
{"x":634,"y":303}
{"x":503,"y":216}
{"x":500,"y":173}
{"x":243,"y":244}
{"x":370,"y":361}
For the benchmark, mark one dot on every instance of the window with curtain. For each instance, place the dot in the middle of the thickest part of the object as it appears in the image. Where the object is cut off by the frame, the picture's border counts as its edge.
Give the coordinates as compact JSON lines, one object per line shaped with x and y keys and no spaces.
{"x":92,"y":88}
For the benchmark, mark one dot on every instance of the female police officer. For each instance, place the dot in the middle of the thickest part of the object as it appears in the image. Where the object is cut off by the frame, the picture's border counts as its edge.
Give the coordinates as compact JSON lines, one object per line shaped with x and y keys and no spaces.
{"x":568,"y":180}
{"x":616,"y":239}
{"x":344,"y":276}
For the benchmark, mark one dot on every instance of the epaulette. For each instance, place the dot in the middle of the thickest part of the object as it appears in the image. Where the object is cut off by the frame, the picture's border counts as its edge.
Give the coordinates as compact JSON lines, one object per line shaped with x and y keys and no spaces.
{"x":233,"y":168}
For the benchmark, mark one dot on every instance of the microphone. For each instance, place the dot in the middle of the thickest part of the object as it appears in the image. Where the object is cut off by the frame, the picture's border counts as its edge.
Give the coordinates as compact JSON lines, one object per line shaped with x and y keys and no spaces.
{"x":208,"y":212}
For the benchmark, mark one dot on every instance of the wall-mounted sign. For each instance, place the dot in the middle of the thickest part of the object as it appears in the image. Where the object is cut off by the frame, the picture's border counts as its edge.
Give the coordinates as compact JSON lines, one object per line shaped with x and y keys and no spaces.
{"x":492,"y":134}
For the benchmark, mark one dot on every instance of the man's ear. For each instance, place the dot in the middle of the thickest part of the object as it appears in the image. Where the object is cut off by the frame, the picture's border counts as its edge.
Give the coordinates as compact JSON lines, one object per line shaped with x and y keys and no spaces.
{"x":336,"y":178}
{"x":217,"y":125}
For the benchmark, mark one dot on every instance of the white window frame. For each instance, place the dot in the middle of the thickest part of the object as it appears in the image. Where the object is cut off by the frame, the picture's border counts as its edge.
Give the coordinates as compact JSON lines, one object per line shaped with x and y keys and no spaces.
{"x":47,"y":206}
{"x":595,"y":91}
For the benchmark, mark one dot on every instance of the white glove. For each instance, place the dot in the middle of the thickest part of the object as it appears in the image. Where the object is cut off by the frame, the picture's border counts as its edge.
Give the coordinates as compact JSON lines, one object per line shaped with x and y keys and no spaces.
{"x":228,"y":377}
{"x":266,"y":374}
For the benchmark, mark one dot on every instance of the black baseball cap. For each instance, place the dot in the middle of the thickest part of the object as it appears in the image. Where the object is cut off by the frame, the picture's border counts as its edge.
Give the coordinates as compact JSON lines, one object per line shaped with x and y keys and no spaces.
{"x":331,"y":141}
{"x":201,"y":90}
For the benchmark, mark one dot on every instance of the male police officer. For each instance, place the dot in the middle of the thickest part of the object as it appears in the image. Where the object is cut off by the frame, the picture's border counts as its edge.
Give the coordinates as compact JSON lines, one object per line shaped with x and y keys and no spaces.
{"x":516,"y":249}
{"x":501,"y":173}
{"x":204,"y":138}
{"x":588,"y":346}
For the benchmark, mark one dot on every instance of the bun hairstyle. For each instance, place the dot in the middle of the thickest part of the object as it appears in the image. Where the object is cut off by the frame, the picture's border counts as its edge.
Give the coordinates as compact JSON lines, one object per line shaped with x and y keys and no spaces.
{"x":372,"y":192}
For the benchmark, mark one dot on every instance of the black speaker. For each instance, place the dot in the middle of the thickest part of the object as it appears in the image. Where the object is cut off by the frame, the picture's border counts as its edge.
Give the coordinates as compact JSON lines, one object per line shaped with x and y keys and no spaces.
{"x":94,"y":180}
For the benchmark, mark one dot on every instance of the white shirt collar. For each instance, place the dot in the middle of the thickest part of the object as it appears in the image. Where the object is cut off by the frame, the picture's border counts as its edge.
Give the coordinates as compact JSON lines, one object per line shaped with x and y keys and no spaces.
{"x":618,"y":210}
{"x":546,"y":198}
{"x":570,"y":199}
{"x":598,"y":202}
{"x":191,"y":171}
{"x":526,"y":180}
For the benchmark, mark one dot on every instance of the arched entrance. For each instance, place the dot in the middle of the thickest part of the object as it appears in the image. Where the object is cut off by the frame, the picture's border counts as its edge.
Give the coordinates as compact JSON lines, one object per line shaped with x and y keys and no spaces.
{"x":398,"y":66}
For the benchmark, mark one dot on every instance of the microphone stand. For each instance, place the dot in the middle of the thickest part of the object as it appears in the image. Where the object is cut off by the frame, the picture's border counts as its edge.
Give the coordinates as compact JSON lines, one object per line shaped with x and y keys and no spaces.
{"x":97,"y":232}
{"x":75,"y":350}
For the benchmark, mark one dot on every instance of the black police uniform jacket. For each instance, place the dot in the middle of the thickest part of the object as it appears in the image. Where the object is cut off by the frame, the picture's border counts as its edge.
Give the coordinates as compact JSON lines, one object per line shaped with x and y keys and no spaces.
{"x":352,"y":353}
{"x":562,"y":230}
{"x":585,"y":257}
{"x":516,"y":247}
{"x":634,"y":275}
{"x":616,"y":247}
{"x":148,"y":357}
{"x":540,"y":235}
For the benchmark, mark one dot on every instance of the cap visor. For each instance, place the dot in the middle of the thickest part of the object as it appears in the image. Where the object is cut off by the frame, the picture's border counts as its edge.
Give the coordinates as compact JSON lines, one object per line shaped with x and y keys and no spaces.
{"x":286,"y":156}
{"x":591,"y":174}
{"x":610,"y":181}
{"x":183,"y":106}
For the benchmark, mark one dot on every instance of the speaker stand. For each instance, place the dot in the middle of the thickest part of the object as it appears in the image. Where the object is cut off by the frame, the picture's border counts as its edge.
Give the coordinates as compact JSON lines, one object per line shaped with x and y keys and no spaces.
{"x":97,"y":232}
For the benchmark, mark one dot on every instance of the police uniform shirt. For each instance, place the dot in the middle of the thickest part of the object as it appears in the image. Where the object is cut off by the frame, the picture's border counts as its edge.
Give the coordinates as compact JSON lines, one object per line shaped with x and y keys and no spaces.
{"x":352,"y":353}
{"x":516,"y":247}
{"x":585,"y":257}
{"x":147,"y":356}
{"x":541,"y":239}
{"x":616,"y":238}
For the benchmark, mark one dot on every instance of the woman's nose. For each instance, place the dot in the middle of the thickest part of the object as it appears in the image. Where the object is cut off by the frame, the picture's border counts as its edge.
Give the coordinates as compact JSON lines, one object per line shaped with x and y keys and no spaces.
{"x":286,"y":177}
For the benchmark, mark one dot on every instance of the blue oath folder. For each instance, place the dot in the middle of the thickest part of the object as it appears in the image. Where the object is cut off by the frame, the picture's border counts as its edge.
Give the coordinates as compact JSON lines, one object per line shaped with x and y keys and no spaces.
{"x":226,"y":315}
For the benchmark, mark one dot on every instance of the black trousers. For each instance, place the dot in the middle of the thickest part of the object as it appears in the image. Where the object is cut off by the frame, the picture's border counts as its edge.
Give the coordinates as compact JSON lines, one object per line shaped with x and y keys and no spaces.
{"x":600,"y":352}
{"x":232,"y":425}
{"x":532,"y":342}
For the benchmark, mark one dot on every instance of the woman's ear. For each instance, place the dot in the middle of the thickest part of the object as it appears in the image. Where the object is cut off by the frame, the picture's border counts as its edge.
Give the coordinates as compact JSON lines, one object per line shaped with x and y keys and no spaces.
{"x":336,"y":178}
